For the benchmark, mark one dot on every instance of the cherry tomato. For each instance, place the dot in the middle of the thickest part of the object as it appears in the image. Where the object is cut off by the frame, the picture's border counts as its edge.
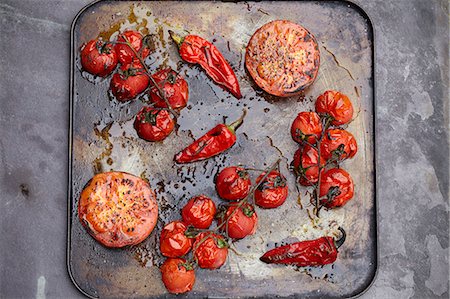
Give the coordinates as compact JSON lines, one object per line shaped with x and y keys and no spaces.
{"x":233,"y":183}
{"x":306,"y":165}
{"x":98,"y":58}
{"x":337,"y":105}
{"x":178,"y":276}
{"x":173,"y":241}
{"x":338,"y":144}
{"x":211,"y":250}
{"x":272,"y":192}
{"x":153,"y":124}
{"x":199,"y":212}
{"x":336,"y":188}
{"x":242,"y":221}
{"x":175,"y":89}
{"x":129,"y":81}
{"x":306,"y":126}
{"x":124,"y":52}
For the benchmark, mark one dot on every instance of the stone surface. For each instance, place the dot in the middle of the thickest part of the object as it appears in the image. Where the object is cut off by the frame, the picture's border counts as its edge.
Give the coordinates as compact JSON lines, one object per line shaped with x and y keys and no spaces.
{"x":412,"y":147}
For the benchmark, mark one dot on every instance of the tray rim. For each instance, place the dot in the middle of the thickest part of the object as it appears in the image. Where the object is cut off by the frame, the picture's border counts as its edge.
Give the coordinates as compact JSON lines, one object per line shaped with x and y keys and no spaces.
{"x":374,"y":273}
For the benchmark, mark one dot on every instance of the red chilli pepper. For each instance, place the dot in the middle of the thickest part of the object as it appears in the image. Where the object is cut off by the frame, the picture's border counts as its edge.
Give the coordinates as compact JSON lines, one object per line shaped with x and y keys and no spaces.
{"x":317,"y":252}
{"x":214,"y":142}
{"x":194,"y":49}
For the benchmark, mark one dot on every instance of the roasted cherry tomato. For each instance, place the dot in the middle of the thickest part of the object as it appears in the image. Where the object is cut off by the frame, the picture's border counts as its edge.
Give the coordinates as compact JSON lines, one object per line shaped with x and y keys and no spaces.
{"x":211,"y":250}
{"x":173,"y":241}
{"x":178,"y":275}
{"x":233,"y":183}
{"x":336,"y":188}
{"x":153,"y":124}
{"x":242,"y":221}
{"x":175,"y":89}
{"x":283,"y":58}
{"x":338,"y":144}
{"x":129,"y":81}
{"x":199,"y":212}
{"x":337,"y":105}
{"x":98,"y":58}
{"x":272,"y":192}
{"x":124,"y":52}
{"x":306,"y":165}
{"x":306,"y":126}
{"x":118,"y":209}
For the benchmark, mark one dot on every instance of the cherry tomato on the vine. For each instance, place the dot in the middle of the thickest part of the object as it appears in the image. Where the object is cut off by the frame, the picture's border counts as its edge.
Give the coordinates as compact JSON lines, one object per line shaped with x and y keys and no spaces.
{"x":129,"y":81}
{"x":306,"y":165}
{"x":272,"y":192}
{"x":338,"y":145}
{"x":153,"y":124}
{"x":126,"y":55}
{"x":199,"y":212}
{"x":306,"y":127}
{"x":336,"y":188}
{"x":241,"y":221}
{"x":233,"y":183}
{"x":337,"y":105}
{"x":174,"y":86}
{"x":98,"y":58}
{"x":212,"y":252}
{"x":177,"y":275}
{"x":173,"y":241}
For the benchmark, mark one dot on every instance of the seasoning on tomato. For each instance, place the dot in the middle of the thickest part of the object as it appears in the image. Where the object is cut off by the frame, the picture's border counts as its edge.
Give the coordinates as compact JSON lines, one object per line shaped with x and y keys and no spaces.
{"x":153,"y":124}
{"x":338,"y":144}
{"x":98,"y":58}
{"x":177,"y":275}
{"x":197,"y":50}
{"x":199,"y":212}
{"x":233,"y":183}
{"x":272,"y":192}
{"x":306,"y":127}
{"x":306,"y":165}
{"x":126,"y":55}
{"x":118,"y":209}
{"x":214,"y":142}
{"x":336,"y":188}
{"x":335,"y":104}
{"x":283,"y":58}
{"x":210,"y":250}
{"x":173,"y":241}
{"x":242,"y":221}
{"x":129,"y":81}
{"x":175,"y":89}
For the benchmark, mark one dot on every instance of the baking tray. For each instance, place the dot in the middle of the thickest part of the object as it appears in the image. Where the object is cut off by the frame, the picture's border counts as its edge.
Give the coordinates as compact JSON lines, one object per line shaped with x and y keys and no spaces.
{"x":102,"y":139}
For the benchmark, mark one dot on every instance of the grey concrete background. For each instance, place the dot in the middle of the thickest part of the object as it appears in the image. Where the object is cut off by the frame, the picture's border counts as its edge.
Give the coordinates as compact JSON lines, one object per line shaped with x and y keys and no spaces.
{"x":412,"y":80}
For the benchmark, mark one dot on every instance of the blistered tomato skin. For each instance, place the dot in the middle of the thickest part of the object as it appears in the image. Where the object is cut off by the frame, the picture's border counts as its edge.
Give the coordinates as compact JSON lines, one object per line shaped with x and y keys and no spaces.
{"x":273,"y":192}
{"x":175,"y":89}
{"x":337,"y":105}
{"x":173,"y":241}
{"x":242,"y":221}
{"x":306,"y":165}
{"x":177,"y":276}
{"x":153,"y":124}
{"x":98,"y":58}
{"x":233,"y":183}
{"x":199,"y":212}
{"x":212,"y":252}
{"x":125,"y":54}
{"x":129,"y":81}
{"x":336,"y":188}
{"x":306,"y":127}
{"x":338,"y":144}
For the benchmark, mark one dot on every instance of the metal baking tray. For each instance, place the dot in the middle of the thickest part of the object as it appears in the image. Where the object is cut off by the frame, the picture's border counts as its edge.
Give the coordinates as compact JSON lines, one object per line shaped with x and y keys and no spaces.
{"x":102,"y":139}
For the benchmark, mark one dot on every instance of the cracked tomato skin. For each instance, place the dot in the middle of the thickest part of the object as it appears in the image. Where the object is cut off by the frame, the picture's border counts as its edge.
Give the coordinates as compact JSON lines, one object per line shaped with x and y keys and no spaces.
{"x":199,"y":212}
{"x":306,"y":165}
{"x":125,"y":54}
{"x":233,"y":183}
{"x":98,"y":58}
{"x":176,"y":277}
{"x":173,"y":241}
{"x":129,"y":81}
{"x":333,"y":138}
{"x":337,"y":105}
{"x":336,"y":177}
{"x":272,"y":192}
{"x":118,"y":209}
{"x":283,"y":58}
{"x":306,"y":126}
{"x":174,"y":87}
{"x":153,"y":124}
{"x":212,"y":252}
{"x":242,"y":221}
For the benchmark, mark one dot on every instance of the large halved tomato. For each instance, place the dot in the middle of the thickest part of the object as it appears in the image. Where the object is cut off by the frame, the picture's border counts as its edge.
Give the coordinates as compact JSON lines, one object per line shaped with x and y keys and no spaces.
{"x":118,"y":209}
{"x":283,"y":58}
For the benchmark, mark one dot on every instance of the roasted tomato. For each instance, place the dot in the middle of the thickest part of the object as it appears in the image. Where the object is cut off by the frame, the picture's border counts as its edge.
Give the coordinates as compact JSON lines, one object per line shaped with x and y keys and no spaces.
{"x":242,"y":221}
{"x":173,"y":241}
{"x":233,"y":183}
{"x":130,"y":81}
{"x":336,"y":188}
{"x":306,"y":165}
{"x":175,"y":89}
{"x":124,"y":52}
{"x":272,"y":192}
{"x":199,"y":212}
{"x":98,"y":58}
{"x":283,"y":58}
{"x":210,"y":250}
{"x":306,"y":126}
{"x":178,"y":275}
{"x":337,"y":105}
{"x":338,"y":145}
{"x":153,"y":124}
{"x":118,"y":209}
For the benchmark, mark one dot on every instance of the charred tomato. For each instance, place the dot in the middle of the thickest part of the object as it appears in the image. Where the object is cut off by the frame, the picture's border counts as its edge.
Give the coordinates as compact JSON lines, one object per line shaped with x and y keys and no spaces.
{"x":336,"y":188}
{"x":98,"y":58}
{"x":174,"y":86}
{"x":153,"y":124}
{"x":210,"y":250}
{"x":338,"y":145}
{"x":335,"y":104}
{"x":135,"y":38}
{"x":129,"y":81}
{"x":306,"y":127}
{"x":199,"y":212}
{"x":306,"y":165}
{"x":173,"y":241}
{"x":242,"y":221}
{"x":233,"y":183}
{"x":177,"y":275}
{"x":272,"y":192}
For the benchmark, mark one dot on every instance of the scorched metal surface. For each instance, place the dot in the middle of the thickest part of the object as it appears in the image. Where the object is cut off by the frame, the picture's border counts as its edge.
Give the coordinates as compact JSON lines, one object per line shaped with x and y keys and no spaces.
{"x":103,"y":139}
